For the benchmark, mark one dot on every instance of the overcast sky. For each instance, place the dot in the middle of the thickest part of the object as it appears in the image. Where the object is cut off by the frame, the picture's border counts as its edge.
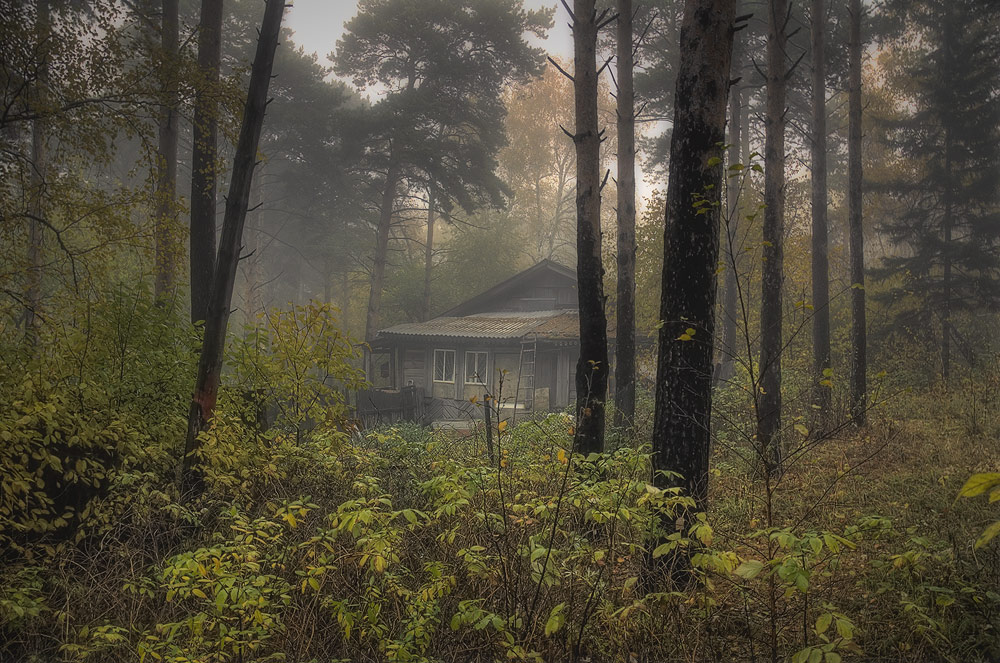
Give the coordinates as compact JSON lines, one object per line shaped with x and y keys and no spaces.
{"x":318,"y":25}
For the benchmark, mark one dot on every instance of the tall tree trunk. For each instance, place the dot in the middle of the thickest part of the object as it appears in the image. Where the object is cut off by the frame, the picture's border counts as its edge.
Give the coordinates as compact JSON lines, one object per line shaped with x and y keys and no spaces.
{"x":731,"y":252}
{"x":859,"y":334}
{"x":252,"y":246}
{"x":204,"y":182}
{"x":681,"y":423}
{"x":37,"y":180}
{"x":210,"y":362}
{"x":820,"y":247}
{"x":592,"y":366}
{"x":769,"y":404}
{"x":381,"y":249}
{"x":625,"y":310}
{"x":165,"y":212}
{"x":947,"y":223}
{"x":428,"y":253}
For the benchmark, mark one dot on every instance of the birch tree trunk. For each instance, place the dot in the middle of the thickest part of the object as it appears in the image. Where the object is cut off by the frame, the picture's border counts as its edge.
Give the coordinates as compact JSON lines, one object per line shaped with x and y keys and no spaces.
{"x":592,"y":366}
{"x":625,"y":310}
{"x":221,"y":294}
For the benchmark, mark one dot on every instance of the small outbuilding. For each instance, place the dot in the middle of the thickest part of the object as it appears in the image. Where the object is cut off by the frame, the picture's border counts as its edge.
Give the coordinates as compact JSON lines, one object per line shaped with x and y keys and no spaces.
{"x":519,"y":341}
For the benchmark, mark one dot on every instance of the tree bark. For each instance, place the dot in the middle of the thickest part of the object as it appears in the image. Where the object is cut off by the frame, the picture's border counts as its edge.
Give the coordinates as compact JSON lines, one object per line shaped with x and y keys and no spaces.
{"x":625,"y":310}
{"x":381,"y":249}
{"x":730,"y":297}
{"x":204,"y":182}
{"x":592,"y":366}
{"x":37,"y":180}
{"x":220,"y":299}
{"x":428,"y":253}
{"x":859,"y":338}
{"x":947,"y":222}
{"x":820,"y":247}
{"x":681,"y":423}
{"x":165,"y":212}
{"x":769,"y":404}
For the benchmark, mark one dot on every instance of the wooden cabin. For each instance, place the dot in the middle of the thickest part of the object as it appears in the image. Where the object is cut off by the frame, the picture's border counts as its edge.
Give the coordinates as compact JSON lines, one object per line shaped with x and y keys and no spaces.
{"x":519,"y":340}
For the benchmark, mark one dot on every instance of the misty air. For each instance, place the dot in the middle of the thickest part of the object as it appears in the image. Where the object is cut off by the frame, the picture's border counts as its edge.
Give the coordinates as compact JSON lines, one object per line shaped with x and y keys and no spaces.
{"x":626,"y":331}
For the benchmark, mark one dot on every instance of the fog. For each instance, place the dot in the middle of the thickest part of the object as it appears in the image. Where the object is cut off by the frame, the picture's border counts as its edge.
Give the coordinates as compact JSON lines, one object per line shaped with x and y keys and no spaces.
{"x":482,"y":330}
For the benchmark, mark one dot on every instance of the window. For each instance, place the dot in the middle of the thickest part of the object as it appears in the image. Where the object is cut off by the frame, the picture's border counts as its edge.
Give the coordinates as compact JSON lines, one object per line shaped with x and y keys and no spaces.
{"x":444,"y":365}
{"x":476,"y":371}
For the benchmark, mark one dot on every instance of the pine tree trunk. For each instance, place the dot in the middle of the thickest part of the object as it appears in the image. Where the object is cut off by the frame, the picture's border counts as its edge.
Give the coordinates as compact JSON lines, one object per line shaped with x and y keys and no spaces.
{"x":592,"y":366}
{"x":381,"y":249}
{"x":820,"y":246}
{"x":204,"y":155}
{"x":212,"y":352}
{"x":165,"y":212}
{"x":37,"y":180}
{"x":730,"y":251}
{"x":625,"y":310}
{"x":859,"y":334}
{"x":681,"y":424}
{"x":252,"y":263}
{"x":769,"y":403}
{"x":947,"y":222}
{"x":428,"y":253}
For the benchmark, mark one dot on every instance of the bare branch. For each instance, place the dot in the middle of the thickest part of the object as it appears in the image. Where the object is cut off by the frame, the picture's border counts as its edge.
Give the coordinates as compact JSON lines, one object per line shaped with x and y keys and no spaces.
{"x":561,"y":70}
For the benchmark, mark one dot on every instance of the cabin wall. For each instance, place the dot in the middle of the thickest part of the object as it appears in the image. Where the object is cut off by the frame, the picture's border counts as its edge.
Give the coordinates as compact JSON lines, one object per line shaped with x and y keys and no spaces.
{"x":554,"y":372}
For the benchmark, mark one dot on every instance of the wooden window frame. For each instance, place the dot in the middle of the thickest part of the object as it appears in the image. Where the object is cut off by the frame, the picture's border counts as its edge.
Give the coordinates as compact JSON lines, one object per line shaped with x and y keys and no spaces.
{"x":454,"y":361}
{"x":484,"y":375}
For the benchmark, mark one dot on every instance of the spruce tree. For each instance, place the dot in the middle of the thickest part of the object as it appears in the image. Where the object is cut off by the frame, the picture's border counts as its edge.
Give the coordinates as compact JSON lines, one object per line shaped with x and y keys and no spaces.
{"x":948,"y":232}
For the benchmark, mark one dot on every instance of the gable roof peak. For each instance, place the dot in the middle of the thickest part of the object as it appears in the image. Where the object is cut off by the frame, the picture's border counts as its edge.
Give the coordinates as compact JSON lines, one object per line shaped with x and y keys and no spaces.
{"x":545,"y":265}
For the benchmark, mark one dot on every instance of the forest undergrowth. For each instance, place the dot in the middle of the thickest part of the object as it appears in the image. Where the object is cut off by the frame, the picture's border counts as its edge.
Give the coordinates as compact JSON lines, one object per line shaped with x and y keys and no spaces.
{"x":310,"y":541}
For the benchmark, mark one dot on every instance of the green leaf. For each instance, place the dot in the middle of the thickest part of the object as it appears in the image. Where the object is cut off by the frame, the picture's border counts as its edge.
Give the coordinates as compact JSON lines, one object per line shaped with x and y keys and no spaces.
{"x":556,"y":619}
{"x":988,"y":534}
{"x":714,"y":161}
{"x":824,"y":622}
{"x":749,"y":569}
{"x":978,"y":484}
{"x":845,"y":629}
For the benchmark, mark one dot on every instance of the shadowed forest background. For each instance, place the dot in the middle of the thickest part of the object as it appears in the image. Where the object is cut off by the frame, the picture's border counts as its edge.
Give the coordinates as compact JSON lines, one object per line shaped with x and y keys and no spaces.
{"x":783,"y":442}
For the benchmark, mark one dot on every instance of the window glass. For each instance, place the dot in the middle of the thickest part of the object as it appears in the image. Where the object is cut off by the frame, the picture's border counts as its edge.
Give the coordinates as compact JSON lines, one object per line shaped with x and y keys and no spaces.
{"x":476,"y":371}
{"x":444,"y":365}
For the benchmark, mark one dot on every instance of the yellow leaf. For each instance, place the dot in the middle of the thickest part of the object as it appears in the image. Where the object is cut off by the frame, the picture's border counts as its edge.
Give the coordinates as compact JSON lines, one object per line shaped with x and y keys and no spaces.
{"x":562,"y":456}
{"x":502,"y":426}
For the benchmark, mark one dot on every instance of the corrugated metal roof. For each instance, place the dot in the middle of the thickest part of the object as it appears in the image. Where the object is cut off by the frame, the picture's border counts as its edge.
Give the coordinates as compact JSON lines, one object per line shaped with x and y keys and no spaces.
{"x":498,"y":326}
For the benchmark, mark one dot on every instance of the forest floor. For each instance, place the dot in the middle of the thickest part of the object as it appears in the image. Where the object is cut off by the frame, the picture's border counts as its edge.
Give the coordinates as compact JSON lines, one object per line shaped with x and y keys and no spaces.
{"x":406,"y":544}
